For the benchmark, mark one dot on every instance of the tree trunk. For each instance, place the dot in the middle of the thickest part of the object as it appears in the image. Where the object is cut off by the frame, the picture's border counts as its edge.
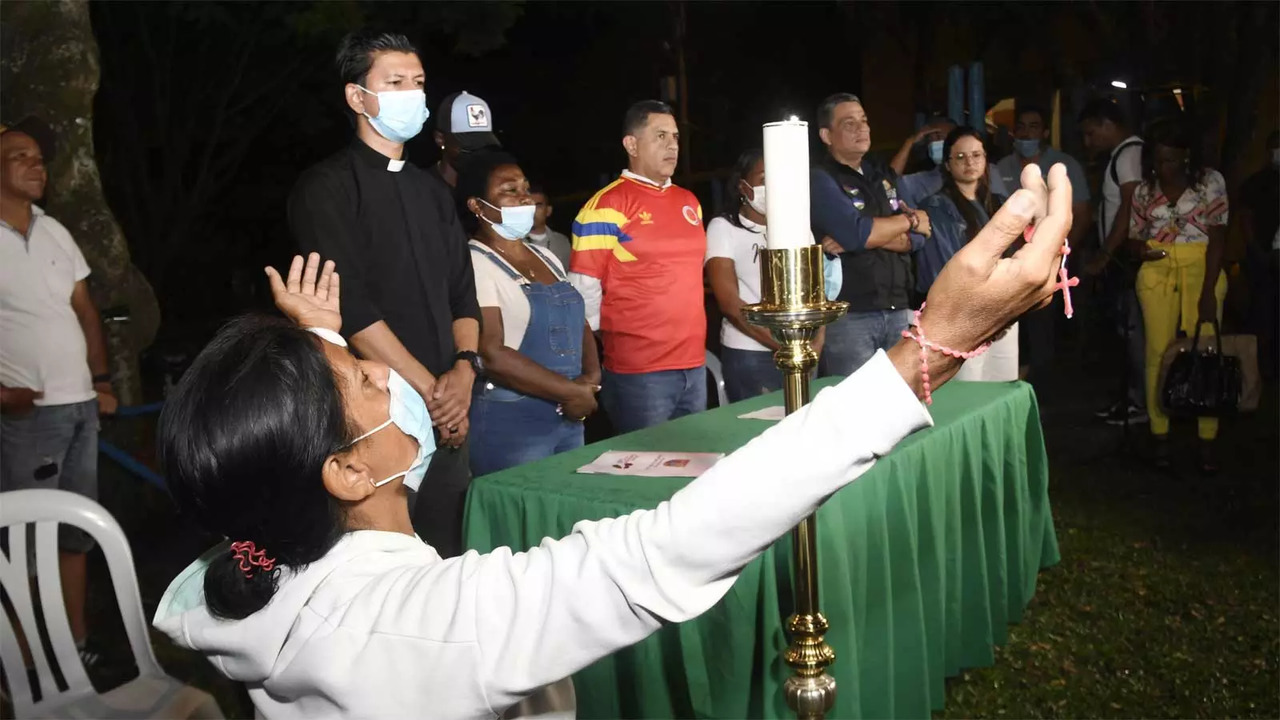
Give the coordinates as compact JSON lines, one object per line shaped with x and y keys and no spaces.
{"x":50,"y":69}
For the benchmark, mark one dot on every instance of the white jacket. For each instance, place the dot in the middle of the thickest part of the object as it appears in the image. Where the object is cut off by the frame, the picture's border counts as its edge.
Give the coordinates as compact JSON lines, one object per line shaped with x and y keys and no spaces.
{"x":382,"y":627}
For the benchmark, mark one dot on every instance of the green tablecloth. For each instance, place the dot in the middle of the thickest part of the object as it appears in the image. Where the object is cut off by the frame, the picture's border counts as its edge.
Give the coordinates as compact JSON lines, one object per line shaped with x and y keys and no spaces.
{"x":923,"y":562}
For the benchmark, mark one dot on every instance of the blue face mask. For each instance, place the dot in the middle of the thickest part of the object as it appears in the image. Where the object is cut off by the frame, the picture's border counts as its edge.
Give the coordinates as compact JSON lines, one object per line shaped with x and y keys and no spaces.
{"x":517,"y":221}
{"x":401,"y":114}
{"x":1027,"y":148}
{"x":832,"y":276}
{"x":935,"y":151}
{"x":409,"y":413}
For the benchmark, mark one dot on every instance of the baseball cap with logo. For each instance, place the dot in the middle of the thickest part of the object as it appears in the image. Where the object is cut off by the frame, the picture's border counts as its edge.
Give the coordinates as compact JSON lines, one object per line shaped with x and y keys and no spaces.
{"x":468,"y":119}
{"x":39,"y":131}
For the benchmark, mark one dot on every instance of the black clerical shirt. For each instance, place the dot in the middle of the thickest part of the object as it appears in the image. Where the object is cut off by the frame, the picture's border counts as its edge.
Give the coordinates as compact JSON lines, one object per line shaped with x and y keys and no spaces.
{"x":394,"y":234}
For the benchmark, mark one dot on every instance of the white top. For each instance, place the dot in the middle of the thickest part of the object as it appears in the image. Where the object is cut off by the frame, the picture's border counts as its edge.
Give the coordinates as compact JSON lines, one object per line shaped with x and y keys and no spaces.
{"x":592,"y":293}
{"x":742,"y":246}
{"x":1188,"y":220}
{"x":381,"y":627}
{"x":42,"y":345}
{"x":495,"y":288}
{"x":1128,"y":169}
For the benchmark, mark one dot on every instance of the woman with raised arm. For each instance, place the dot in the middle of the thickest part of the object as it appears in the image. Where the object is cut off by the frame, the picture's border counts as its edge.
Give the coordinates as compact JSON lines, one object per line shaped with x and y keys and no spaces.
{"x":324,"y":602}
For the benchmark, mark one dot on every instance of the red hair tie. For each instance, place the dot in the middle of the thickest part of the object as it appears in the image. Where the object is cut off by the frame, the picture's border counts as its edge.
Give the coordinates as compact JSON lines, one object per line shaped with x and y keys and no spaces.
{"x":251,"y":557}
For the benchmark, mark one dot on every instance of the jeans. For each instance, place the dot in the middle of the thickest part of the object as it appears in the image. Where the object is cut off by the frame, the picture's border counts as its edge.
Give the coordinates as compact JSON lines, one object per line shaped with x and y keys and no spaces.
{"x":53,"y":447}
{"x":1129,"y":312}
{"x":854,"y":338}
{"x":640,"y":400}
{"x":509,"y":429}
{"x":748,"y":373}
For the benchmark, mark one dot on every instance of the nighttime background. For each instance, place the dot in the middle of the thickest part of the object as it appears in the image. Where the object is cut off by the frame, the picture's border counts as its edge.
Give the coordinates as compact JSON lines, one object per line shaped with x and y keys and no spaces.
{"x":199,"y":117}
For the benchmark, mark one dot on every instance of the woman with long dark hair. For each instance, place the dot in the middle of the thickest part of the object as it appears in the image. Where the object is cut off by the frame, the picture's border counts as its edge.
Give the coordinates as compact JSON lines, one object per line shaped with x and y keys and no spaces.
{"x":324,"y":602}
{"x":1179,"y":215}
{"x":958,"y":211}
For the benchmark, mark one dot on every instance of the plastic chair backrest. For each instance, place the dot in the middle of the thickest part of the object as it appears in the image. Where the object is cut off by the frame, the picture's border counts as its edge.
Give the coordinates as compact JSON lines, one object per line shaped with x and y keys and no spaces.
{"x":46,"y":509}
{"x":717,"y":376}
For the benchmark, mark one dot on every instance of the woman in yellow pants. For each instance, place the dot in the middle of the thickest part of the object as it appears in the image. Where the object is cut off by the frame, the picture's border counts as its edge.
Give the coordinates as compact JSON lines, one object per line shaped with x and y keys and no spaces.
{"x":1180,"y":214}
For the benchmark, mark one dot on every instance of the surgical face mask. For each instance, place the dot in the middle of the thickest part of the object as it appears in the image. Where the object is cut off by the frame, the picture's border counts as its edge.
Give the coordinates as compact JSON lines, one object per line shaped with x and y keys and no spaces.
{"x":832,"y":276}
{"x":1027,"y":148}
{"x":935,"y":151}
{"x":516,"y":223}
{"x":757,"y":200}
{"x":409,"y":413}
{"x":401,"y":113}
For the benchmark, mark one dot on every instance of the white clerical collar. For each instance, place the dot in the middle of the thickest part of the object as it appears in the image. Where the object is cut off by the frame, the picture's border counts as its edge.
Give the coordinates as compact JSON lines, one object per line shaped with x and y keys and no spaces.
{"x":640,"y":178}
{"x":395,"y":165}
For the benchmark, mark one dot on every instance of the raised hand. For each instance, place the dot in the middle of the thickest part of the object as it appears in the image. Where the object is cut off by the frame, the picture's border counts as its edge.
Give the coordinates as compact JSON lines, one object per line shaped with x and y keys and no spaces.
{"x":306,"y":299}
{"x":979,"y":292}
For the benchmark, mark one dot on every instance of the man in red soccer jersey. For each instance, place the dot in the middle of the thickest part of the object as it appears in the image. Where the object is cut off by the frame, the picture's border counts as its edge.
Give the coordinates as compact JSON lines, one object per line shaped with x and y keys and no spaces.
{"x":638,"y":246}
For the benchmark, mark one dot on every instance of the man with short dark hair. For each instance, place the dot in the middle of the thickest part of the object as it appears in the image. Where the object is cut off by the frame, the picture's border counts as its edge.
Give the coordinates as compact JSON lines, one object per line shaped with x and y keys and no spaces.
{"x":855,"y":208}
{"x":408,"y":292}
{"x":542,"y":235}
{"x":1105,"y":131}
{"x":463,"y":125}
{"x":1031,"y":145}
{"x":54,"y":372}
{"x":637,"y":256}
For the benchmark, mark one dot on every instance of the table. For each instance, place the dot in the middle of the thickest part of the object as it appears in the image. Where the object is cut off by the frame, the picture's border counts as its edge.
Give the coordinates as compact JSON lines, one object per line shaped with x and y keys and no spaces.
{"x":923,"y":562}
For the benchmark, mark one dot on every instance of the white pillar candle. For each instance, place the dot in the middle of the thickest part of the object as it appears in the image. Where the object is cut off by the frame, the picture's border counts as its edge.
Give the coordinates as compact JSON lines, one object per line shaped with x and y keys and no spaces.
{"x":786,"y":184}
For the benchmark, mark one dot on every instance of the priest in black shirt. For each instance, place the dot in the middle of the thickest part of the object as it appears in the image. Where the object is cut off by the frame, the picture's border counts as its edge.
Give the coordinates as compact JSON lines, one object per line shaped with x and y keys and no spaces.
{"x":408,"y":293}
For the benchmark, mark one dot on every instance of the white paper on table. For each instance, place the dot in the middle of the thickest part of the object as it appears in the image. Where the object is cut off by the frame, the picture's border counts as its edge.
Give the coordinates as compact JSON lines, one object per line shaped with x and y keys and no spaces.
{"x":651,"y":464}
{"x":773,"y":412}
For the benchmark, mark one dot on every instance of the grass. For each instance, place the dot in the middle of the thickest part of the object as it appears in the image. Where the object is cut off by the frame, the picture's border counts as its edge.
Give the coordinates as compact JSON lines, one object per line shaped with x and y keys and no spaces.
{"x":1166,"y":602}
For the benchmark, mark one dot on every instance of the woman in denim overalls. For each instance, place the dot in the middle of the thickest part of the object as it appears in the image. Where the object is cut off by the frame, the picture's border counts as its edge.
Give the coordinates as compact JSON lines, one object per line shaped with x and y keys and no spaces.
{"x":536,"y":392}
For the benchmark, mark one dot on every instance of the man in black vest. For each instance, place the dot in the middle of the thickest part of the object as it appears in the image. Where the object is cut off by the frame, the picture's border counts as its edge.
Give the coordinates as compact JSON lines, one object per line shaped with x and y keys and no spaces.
{"x":855,"y":207}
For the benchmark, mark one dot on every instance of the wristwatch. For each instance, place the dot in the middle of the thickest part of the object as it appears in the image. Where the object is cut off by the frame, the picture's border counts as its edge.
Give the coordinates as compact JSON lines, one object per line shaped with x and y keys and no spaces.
{"x":473,"y":359}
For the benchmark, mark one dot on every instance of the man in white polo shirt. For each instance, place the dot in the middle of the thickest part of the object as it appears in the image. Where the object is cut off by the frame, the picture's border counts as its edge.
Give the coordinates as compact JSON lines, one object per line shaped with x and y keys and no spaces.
{"x":53,"y":360}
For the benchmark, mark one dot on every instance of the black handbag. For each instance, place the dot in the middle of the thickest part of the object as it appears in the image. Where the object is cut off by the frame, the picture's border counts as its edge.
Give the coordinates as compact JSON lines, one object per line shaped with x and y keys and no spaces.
{"x":1202,"y":382}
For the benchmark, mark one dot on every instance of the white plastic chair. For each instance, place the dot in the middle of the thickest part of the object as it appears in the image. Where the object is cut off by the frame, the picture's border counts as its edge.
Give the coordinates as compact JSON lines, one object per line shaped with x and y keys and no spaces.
{"x":717,"y":376}
{"x":151,"y":694}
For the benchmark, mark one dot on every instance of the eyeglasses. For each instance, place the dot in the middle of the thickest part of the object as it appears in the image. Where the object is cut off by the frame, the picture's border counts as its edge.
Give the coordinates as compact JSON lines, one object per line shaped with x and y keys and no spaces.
{"x":964,"y":158}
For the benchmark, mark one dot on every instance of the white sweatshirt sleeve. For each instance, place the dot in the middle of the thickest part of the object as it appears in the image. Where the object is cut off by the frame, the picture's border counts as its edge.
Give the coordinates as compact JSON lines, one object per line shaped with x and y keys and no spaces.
{"x":592,"y":292}
{"x":544,"y":614}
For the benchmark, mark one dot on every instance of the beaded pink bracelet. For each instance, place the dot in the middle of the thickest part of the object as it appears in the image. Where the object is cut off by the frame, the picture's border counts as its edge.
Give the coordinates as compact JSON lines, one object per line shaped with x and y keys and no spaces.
{"x":926,"y":345}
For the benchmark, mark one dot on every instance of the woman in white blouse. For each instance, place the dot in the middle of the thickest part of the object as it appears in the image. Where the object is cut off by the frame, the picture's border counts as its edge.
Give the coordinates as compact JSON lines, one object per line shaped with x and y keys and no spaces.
{"x":734,"y":240}
{"x":541,"y":370}
{"x":325,"y":604}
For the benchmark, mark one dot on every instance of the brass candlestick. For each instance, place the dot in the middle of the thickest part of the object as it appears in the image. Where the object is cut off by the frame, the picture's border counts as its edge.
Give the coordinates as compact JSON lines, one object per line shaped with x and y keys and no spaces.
{"x":793,"y":305}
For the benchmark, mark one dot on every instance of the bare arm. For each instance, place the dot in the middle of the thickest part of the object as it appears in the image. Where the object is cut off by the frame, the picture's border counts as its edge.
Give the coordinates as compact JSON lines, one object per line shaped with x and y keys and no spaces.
{"x":91,"y":324}
{"x":1213,"y":260}
{"x":377,"y":342}
{"x":515,"y":370}
{"x":590,"y":356}
{"x":889,"y":233}
{"x":1120,"y":228}
{"x":723,"y":277}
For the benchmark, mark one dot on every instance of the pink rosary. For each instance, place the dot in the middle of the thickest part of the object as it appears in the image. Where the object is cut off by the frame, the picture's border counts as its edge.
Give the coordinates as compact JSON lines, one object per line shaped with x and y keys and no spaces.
{"x":1065,"y":283}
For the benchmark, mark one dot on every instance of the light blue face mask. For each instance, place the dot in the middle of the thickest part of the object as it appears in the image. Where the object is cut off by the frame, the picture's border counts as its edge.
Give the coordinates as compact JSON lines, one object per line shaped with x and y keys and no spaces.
{"x":401,"y":113}
{"x":409,"y":413}
{"x":832,"y":276}
{"x":1027,"y":148}
{"x":935,"y":151}
{"x":517,"y":221}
